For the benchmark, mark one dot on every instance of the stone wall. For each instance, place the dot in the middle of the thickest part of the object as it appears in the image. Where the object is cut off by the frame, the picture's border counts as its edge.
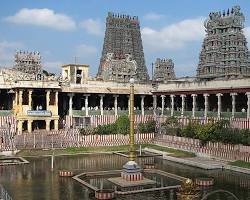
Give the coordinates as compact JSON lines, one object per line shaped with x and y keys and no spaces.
{"x":225,"y":151}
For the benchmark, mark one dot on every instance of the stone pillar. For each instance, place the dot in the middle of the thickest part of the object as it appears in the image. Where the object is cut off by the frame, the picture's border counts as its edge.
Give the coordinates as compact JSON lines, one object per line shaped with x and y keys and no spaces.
{"x":13,"y":98}
{"x":20,"y":97}
{"x":154,"y":104}
{"x":30,"y":99}
{"x":248,"y":104}
{"x":219,"y":95}
{"x":86,"y":104}
{"x":16,"y":98}
{"x":182,"y":104}
{"x":162,"y":104}
{"x":47,"y":124}
{"x":205,"y":104}
{"x":70,"y":103}
{"x":47,"y":99}
{"x":56,"y":124}
{"x":233,"y":95}
{"x":142,"y":104}
{"x":20,"y":126}
{"x":56,"y":102}
{"x":172,"y":104}
{"x":115,"y":103}
{"x":194,"y":104}
{"x":30,"y":126}
{"x":101,"y":103}
{"x":20,"y":102}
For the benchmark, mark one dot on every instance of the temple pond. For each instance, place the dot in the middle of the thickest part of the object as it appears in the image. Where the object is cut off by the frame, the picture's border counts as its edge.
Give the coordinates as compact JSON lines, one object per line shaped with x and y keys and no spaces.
{"x":37,"y":181}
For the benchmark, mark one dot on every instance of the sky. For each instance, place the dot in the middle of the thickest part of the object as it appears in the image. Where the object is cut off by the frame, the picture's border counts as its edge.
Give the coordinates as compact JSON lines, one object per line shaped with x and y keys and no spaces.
{"x":69,"y":31}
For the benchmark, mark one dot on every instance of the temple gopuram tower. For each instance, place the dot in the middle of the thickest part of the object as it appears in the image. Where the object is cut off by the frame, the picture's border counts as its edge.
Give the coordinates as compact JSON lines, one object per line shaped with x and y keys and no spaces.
{"x":224,"y":51}
{"x":122,"y":37}
{"x":28,"y":62}
{"x":164,"y":70}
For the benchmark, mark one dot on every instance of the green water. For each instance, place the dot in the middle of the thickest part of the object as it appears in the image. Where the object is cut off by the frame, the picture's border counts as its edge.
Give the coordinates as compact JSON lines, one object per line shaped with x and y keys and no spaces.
{"x":35,"y":181}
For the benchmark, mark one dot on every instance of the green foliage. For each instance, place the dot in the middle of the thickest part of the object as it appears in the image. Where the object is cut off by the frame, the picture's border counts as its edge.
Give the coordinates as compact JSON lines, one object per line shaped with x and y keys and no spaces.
{"x":82,"y":131}
{"x":106,"y":129}
{"x":240,"y":163}
{"x":189,"y":130}
{"x":122,"y":125}
{"x":171,"y":126}
{"x":147,"y":127}
{"x":171,"y":122}
{"x":219,"y":131}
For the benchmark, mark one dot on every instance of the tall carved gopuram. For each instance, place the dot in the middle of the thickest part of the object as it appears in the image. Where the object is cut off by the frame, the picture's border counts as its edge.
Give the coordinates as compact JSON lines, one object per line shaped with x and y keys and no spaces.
{"x":28,"y":62}
{"x":224,"y":51}
{"x":123,"y":36}
{"x":164,"y":70}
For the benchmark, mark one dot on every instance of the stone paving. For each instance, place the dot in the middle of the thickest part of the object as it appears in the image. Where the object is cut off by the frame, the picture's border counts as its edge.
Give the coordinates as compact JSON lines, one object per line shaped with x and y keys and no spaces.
{"x":203,"y":162}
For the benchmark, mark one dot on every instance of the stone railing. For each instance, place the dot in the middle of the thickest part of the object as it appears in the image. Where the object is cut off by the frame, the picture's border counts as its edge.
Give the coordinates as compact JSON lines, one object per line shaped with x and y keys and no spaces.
{"x":241,"y":123}
{"x":72,"y":138}
{"x":225,"y":151}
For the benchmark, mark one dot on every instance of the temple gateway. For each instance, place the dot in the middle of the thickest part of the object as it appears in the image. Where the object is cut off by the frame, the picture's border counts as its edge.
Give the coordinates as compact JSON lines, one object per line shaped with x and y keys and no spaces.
{"x":33,"y":99}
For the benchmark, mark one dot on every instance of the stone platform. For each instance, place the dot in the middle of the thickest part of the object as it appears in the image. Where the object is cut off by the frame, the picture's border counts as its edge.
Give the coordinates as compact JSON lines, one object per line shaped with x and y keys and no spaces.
{"x":119,"y":181}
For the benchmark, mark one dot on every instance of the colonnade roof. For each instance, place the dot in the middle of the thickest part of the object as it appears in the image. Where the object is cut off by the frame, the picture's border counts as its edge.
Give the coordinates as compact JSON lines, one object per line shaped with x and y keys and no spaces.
{"x":183,"y":86}
{"x":201,"y":87}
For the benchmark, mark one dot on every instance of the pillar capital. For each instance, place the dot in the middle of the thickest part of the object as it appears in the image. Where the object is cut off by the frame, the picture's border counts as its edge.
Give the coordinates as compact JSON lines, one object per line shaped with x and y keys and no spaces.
{"x":233,"y":94}
{"x":163,"y":96}
{"x":116,"y":95}
{"x":219,"y":94}
{"x":101,"y":95}
{"x":71,"y":94}
{"x":248,"y":94}
{"x":86,"y":95}
{"x":172,"y":95}
{"x":193,"y":95}
{"x":182,"y":95}
{"x":206,"y":95}
{"x":142,"y":96}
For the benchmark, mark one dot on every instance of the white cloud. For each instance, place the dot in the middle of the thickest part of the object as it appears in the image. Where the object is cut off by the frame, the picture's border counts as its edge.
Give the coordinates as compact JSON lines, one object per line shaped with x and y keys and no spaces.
{"x":92,"y":26}
{"x":7,"y":52}
{"x":174,"y":36}
{"x":43,"y":17}
{"x":247,"y":34}
{"x":153,"y":16}
{"x":85,"y":51}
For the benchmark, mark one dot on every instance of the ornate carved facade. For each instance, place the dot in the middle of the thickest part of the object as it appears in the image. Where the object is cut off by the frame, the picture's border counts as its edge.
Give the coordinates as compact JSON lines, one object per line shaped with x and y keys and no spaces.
{"x":28,"y":62}
{"x":164,"y":70}
{"x":123,"y":37}
{"x":224,"y":51}
{"x":120,"y":70}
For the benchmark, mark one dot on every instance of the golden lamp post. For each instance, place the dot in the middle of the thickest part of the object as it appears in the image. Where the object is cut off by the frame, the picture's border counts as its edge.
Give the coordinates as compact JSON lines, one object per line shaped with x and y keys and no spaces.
{"x":131,"y":170}
{"x":132,"y":154}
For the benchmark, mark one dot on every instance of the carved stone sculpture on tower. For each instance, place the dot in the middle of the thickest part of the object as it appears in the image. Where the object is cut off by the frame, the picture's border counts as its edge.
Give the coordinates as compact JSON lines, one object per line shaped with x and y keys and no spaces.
{"x":28,"y":62}
{"x":224,"y":51}
{"x":123,"y":36}
{"x":164,"y":70}
{"x":119,"y":70}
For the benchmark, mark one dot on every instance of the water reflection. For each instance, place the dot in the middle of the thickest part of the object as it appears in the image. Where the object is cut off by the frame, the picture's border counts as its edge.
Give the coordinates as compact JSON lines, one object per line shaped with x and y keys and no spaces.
{"x":36,"y":180}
